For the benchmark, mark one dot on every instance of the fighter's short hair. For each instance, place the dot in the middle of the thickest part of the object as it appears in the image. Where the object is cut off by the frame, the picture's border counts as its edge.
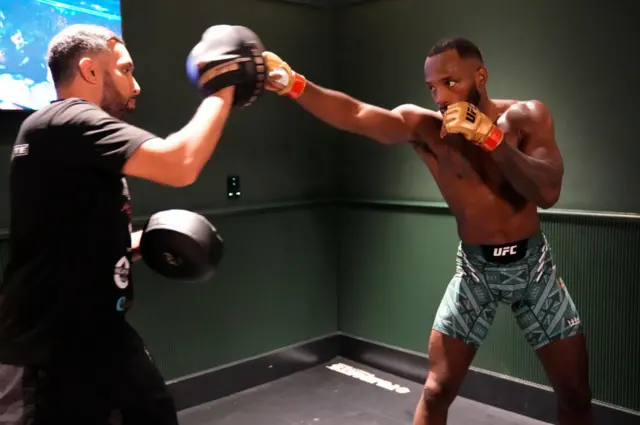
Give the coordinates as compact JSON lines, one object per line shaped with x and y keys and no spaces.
{"x":463,"y":46}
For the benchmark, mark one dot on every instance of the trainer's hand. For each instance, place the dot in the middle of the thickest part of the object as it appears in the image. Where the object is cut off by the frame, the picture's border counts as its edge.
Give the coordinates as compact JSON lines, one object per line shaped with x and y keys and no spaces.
{"x":281,"y":78}
{"x":228,"y":55}
{"x":465,"y":119}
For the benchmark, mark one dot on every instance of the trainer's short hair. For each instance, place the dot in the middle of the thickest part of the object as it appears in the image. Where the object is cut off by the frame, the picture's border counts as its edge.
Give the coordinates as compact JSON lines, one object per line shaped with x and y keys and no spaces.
{"x":66,"y":48}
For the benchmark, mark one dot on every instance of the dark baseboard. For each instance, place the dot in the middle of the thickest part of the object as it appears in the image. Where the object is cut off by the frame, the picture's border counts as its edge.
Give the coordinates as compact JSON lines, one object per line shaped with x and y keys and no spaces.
{"x":227,"y":380}
{"x":519,"y":397}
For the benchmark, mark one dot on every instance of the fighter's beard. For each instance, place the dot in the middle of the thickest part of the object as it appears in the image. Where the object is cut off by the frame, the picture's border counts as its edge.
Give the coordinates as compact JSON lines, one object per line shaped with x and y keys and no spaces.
{"x":474,"y":96}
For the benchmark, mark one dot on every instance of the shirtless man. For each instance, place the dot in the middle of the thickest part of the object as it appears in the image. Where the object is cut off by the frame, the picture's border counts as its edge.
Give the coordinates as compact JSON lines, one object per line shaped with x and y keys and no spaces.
{"x":495,"y":162}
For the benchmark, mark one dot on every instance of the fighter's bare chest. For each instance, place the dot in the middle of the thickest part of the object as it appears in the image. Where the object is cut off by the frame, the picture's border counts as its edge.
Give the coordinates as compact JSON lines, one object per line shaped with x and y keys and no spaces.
{"x":460,"y":159}
{"x":454,"y":158}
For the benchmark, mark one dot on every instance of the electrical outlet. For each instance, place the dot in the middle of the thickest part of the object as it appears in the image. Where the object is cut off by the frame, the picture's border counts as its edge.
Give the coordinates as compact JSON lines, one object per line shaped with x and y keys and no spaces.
{"x":233,"y":187}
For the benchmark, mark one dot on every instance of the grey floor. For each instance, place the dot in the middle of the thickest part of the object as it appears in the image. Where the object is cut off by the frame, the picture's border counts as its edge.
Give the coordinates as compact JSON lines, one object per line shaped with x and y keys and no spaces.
{"x":323,"y":396}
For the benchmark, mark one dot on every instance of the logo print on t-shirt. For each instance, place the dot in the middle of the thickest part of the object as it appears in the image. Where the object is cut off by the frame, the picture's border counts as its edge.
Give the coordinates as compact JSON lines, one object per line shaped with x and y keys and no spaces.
{"x":125,"y":189}
{"x":20,"y":150}
{"x":126,"y":206}
{"x":121,"y":273}
{"x":123,"y":304}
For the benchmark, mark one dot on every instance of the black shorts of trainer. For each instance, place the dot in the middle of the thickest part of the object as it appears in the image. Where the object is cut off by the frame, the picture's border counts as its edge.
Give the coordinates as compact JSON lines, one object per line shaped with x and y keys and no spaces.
{"x":126,"y":388}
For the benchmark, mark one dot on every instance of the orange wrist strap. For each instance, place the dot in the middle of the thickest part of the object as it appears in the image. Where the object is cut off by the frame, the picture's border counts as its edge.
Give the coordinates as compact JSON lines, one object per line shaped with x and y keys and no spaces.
{"x":299,"y":84}
{"x":493,"y":139}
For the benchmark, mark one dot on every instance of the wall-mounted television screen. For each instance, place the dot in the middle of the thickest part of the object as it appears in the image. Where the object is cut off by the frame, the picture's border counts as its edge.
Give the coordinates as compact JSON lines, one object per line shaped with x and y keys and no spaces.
{"x":26,"y":27}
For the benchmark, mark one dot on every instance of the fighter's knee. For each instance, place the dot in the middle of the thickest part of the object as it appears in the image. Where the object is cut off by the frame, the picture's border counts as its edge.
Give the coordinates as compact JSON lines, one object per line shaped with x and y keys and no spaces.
{"x":438,"y":394}
{"x":575,"y":400}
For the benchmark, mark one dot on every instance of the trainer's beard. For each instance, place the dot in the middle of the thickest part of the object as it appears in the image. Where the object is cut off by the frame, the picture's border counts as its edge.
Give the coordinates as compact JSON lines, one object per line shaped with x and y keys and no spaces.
{"x":113,"y":102}
{"x":474,"y":96}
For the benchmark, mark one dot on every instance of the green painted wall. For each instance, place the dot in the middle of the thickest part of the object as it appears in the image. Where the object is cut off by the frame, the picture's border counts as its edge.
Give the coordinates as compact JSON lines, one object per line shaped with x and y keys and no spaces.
{"x":275,"y":287}
{"x":277,"y":282}
{"x":283,"y":270}
{"x":395,"y":263}
{"x":280,"y":152}
{"x":576,"y":56}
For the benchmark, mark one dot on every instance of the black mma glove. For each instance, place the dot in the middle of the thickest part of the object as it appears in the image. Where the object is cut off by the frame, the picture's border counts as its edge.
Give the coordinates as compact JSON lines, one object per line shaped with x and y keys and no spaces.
{"x":228,"y":55}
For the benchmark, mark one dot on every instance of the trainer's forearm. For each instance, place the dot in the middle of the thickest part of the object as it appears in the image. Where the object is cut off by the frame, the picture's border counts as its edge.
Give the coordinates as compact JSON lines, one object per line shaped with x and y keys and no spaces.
{"x":333,"y":107}
{"x":535,"y":179}
{"x":198,"y":139}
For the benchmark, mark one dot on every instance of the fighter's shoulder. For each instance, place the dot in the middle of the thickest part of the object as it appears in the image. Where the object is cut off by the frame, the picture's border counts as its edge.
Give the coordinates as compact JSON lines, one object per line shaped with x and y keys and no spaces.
{"x":417,"y":116}
{"x":531,"y":110}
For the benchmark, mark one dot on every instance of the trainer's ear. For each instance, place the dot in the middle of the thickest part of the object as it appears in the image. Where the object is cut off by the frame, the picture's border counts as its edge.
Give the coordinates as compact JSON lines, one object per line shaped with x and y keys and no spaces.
{"x":87,"y":70}
{"x":481,"y":76}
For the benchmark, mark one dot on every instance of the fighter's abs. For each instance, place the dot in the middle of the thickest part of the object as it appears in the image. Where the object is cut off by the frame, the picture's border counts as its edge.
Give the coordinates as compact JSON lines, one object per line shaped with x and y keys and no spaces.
{"x":486,"y":206}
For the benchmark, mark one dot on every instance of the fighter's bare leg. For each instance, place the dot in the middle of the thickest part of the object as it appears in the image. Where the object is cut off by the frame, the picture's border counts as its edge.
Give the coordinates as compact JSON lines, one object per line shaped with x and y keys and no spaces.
{"x":566,"y":363}
{"x":551,"y":323}
{"x":449,"y":360}
{"x":462,"y":322}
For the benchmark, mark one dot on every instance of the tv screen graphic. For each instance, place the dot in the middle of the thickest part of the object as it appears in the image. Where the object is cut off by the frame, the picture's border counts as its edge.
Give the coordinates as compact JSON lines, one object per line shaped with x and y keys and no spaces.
{"x":26,"y":27}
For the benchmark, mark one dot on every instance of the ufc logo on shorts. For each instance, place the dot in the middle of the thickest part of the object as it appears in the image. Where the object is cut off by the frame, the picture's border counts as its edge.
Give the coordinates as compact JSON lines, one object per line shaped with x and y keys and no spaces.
{"x":504,"y":251}
{"x":471,"y":115}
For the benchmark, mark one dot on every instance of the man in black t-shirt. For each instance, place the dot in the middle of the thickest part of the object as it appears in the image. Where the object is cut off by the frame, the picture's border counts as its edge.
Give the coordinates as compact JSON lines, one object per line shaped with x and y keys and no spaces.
{"x":67,"y":354}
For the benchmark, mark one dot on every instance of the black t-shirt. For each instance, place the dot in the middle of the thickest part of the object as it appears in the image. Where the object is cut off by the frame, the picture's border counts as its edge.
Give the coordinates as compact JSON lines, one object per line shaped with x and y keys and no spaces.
{"x":68,"y":282}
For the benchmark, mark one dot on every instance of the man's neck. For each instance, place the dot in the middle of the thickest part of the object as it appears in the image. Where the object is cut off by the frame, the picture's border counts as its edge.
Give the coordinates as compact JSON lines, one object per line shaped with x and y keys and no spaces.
{"x":489,"y":108}
{"x":70,"y":92}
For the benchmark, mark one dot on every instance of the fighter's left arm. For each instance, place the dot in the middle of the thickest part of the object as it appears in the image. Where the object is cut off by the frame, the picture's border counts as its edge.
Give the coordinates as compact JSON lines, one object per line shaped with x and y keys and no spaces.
{"x":135,"y":245}
{"x":534,"y":166}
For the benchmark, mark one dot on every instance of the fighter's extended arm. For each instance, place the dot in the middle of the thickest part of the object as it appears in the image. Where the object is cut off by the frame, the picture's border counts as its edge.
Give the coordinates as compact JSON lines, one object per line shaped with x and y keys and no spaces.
{"x":341,"y":110}
{"x":534,"y":166}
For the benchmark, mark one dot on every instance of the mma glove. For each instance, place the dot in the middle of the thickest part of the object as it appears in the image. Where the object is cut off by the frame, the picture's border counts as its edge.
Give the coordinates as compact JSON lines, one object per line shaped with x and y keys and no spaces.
{"x":294,"y":83}
{"x":465,"y":119}
{"x":228,"y":55}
